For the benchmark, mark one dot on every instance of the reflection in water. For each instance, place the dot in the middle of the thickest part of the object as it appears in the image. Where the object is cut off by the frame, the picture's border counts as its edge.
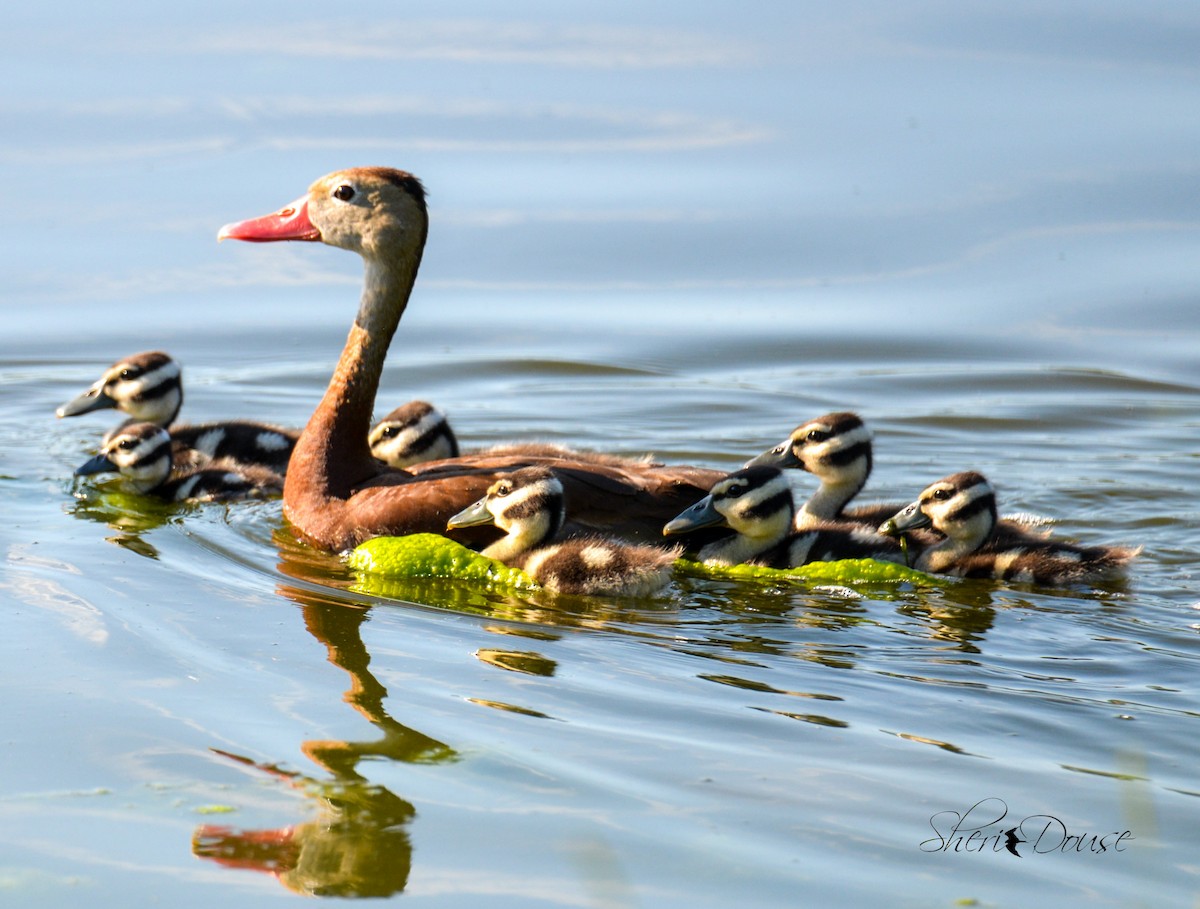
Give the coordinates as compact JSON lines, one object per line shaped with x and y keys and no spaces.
{"x":132,"y":516}
{"x":526,"y":661}
{"x":358,"y":844}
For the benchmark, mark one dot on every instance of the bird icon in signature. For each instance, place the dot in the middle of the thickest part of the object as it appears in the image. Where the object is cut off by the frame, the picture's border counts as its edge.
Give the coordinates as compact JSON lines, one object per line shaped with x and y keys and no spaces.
{"x":1011,"y":840}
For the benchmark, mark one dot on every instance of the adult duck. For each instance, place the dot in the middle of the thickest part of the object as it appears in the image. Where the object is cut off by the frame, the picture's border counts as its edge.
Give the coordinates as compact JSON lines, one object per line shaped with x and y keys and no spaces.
{"x":336,"y":493}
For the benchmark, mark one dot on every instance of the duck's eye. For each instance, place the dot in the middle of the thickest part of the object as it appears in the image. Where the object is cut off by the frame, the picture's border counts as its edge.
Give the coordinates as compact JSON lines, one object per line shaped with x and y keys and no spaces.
{"x":389,"y":432}
{"x":503,"y":489}
{"x":941,"y":494}
{"x":344,"y":193}
{"x":126,"y":444}
{"x":817,"y":435}
{"x":734,"y":491}
{"x":130,"y":372}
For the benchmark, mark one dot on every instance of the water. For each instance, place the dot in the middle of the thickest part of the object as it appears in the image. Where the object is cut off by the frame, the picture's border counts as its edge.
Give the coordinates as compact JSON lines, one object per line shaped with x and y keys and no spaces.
{"x":676,"y":228}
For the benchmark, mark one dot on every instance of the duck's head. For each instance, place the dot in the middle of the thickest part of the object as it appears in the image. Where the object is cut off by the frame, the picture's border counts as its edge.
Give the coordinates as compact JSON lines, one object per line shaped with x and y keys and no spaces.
{"x":754,"y":501}
{"x":528,"y":503}
{"x":835,"y":447}
{"x":412,"y":434}
{"x":377,"y":212}
{"x":962,"y":506}
{"x":147,"y":386}
{"x":140,"y":452}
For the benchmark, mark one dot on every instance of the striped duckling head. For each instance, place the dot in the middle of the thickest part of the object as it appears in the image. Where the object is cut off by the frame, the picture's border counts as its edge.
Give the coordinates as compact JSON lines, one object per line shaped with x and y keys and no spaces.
{"x":527,"y":504}
{"x":148,"y":386}
{"x":835,"y":448}
{"x":962,"y":507}
{"x":756,"y":502}
{"x":412,"y":434}
{"x":139,"y":452}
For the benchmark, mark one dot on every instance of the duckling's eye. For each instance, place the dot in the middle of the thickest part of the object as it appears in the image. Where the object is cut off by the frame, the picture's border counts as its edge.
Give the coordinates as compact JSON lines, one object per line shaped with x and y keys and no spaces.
{"x":389,"y":432}
{"x":734,"y":491}
{"x":503,"y":489}
{"x":941,"y":494}
{"x":126,"y":444}
{"x":817,"y":435}
{"x":130,"y":372}
{"x":344,"y":193}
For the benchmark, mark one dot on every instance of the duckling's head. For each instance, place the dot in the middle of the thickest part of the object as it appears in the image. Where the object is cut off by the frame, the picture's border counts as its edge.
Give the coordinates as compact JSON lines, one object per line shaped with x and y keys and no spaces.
{"x":140,"y":452}
{"x":835,"y":447}
{"x":754,"y":501}
{"x":527,"y":503}
{"x":413,"y":433}
{"x":962,"y":506}
{"x":148,"y":386}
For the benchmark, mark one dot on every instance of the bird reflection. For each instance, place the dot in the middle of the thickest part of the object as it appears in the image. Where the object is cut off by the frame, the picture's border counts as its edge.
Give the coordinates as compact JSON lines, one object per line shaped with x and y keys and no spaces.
{"x":358,"y":843}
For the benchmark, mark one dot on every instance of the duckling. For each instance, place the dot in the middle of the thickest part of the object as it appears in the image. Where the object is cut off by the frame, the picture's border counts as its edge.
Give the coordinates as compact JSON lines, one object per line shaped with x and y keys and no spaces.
{"x":756,"y":502}
{"x":412,"y":434}
{"x":836,"y":448}
{"x":417,"y":432}
{"x":529,"y":505}
{"x":963,"y":508}
{"x":141,"y":453}
{"x":149,"y":387}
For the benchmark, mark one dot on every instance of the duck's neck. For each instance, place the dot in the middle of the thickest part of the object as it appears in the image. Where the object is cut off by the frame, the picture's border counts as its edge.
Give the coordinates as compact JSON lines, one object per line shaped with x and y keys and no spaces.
{"x":333,"y":454}
{"x":522,"y":537}
{"x":961,"y":540}
{"x":827,"y":502}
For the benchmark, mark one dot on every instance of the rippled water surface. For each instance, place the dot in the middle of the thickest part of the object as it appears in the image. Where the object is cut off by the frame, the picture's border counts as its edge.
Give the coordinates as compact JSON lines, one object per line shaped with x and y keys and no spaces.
{"x":675,"y":228}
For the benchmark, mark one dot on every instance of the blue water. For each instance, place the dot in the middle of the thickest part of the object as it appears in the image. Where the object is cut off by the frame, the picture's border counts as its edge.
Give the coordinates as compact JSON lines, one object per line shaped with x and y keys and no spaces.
{"x":677,"y":228}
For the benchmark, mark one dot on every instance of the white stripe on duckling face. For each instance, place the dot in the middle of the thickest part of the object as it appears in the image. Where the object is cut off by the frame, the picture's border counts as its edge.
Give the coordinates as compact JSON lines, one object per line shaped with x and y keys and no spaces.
{"x":960,"y":506}
{"x":142,"y":454}
{"x":817,"y":444}
{"x":754,"y":508}
{"x":529,"y":512}
{"x":152,"y":395}
{"x":402,"y":444}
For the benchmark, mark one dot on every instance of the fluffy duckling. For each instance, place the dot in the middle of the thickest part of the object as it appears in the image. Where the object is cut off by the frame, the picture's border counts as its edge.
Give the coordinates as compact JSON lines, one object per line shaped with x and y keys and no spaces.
{"x":141,"y":453}
{"x":756,"y":503}
{"x":412,"y":434}
{"x":963,"y":508}
{"x":148,"y":386}
{"x":528,"y":504}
